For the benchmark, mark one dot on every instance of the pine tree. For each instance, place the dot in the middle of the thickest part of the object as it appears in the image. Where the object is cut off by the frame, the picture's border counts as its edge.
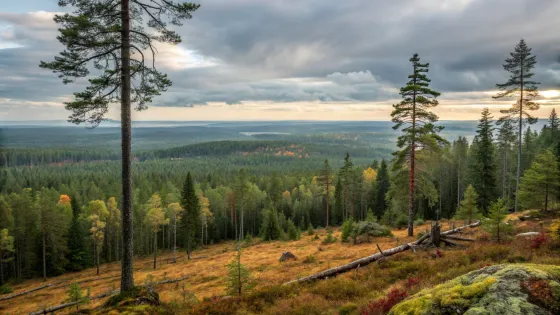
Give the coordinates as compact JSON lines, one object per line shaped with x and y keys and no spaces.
{"x":554,"y":125}
{"x":346,"y":178}
{"x":190,"y":219}
{"x":540,"y":182}
{"x":325,"y":181}
{"x":420,"y":132}
{"x":338,"y":203}
{"x":506,"y":140}
{"x":77,"y":253}
{"x":520,"y":66}
{"x":112,"y":37}
{"x":382,"y":184}
{"x":176,"y":211}
{"x":468,"y":210}
{"x":483,"y":169}
{"x":495,"y":224}
{"x":460,"y":155}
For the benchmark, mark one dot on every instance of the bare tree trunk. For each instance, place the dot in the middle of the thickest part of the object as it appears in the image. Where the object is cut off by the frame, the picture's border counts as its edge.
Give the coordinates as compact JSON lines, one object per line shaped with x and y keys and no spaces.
{"x":44,"y":250}
{"x":155,"y":249}
{"x":127,"y":277}
{"x":546,"y":198}
{"x":175,"y":240}
{"x":519,"y":142}
{"x":96,"y":250}
{"x":411,"y":184}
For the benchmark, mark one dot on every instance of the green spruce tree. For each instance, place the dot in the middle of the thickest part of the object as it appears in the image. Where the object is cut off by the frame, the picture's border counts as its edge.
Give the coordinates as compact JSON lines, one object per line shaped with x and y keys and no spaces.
{"x":325,"y":180}
{"x":382,"y":184}
{"x":483,"y":169}
{"x":468,"y":210}
{"x":190,"y":219}
{"x":77,"y":252}
{"x":495,"y":224}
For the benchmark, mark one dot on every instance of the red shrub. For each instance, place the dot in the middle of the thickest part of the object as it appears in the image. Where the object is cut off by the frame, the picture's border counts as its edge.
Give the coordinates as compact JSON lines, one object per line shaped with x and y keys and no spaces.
{"x":540,"y":293}
{"x":412,"y":282}
{"x":439,"y":253}
{"x":383,"y":305}
{"x":539,"y":241}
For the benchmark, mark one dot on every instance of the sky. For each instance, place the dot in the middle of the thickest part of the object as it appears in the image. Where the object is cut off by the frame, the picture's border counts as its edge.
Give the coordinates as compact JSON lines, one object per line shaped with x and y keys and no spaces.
{"x":303,"y":59}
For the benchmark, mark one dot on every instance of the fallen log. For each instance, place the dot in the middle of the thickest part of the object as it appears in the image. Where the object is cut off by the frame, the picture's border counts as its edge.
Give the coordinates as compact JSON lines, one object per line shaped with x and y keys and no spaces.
{"x":54,"y":308}
{"x":15,"y":295}
{"x":370,"y":259}
{"x":451,"y":243}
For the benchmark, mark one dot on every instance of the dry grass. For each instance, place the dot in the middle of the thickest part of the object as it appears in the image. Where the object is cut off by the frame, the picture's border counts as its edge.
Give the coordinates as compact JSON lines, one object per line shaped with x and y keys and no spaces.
{"x":207,"y":275}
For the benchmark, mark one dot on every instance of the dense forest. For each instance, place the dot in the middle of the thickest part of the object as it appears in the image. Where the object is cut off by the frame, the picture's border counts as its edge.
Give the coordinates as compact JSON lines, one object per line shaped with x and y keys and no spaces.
{"x":62,"y":216}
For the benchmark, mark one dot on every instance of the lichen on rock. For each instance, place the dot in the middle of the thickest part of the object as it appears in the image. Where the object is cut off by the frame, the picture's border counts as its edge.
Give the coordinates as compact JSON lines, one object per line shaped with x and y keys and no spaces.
{"x":516,"y":289}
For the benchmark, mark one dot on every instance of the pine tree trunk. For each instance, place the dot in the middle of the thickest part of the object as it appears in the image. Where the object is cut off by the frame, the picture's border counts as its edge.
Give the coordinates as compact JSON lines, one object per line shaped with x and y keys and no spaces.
{"x":44,"y":251}
{"x":155,"y":249}
{"x":175,"y":240}
{"x":127,"y":278}
{"x":96,"y":250}
{"x":412,"y":167}
{"x":327,"y":225}
{"x":1,"y":268}
{"x":189,"y":236}
{"x":458,"y":182}
{"x":519,"y":142}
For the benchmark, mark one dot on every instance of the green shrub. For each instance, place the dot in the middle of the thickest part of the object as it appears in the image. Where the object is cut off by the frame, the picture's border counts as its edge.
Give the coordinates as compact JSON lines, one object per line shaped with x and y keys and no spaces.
{"x":370,"y":229}
{"x":310,"y":230}
{"x":293,"y":232}
{"x":316,"y":237}
{"x":248,"y":239}
{"x":401,"y":221}
{"x":347,"y":229}
{"x":329,"y":239}
{"x":419,"y":222}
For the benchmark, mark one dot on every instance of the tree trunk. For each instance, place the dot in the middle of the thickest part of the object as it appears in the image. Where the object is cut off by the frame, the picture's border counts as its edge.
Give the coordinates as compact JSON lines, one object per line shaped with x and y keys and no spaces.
{"x":519,"y":142}
{"x":1,"y":268}
{"x":458,"y":181}
{"x":127,"y":277}
{"x":375,"y":257}
{"x":546,"y":198}
{"x":327,"y":199}
{"x":155,"y":249}
{"x":189,"y":236}
{"x":44,"y":251}
{"x":175,"y":240}
{"x":411,"y":183}
{"x":97,"y":257}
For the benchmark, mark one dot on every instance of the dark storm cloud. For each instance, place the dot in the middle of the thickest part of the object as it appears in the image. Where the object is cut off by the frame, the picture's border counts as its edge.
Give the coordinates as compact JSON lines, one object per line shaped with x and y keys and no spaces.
{"x":317,"y":50}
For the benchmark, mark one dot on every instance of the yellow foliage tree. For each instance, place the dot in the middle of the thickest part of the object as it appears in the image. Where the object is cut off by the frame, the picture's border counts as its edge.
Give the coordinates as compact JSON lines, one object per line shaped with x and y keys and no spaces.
{"x":155,"y":218}
{"x":97,"y":235}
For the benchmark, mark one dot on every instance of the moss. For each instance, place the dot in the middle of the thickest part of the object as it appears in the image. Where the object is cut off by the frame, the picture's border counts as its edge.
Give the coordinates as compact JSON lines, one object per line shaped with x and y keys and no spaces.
{"x":491,"y":290}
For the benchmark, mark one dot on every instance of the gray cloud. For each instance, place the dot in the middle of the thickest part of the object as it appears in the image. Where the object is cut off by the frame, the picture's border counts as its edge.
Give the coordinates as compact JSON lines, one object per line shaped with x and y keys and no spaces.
{"x":318,"y":50}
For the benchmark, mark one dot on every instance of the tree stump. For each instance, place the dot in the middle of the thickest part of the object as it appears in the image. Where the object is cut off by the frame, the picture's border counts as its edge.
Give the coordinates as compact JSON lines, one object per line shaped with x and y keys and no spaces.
{"x":436,"y":235}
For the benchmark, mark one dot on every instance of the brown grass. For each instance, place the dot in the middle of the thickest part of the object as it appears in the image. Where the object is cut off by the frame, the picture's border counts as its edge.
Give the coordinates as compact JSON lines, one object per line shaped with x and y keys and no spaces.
{"x":207,"y":275}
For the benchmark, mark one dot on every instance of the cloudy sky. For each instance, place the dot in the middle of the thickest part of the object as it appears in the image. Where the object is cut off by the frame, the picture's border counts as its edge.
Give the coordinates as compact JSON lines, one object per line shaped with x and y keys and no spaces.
{"x":303,"y":59}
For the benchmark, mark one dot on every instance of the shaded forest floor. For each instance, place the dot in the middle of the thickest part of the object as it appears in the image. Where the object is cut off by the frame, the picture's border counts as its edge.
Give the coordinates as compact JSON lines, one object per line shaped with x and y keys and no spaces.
{"x":353,"y":290}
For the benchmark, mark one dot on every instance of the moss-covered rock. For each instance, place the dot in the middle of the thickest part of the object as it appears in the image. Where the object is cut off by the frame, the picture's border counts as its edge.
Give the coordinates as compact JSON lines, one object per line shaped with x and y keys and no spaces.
{"x":513,"y":289}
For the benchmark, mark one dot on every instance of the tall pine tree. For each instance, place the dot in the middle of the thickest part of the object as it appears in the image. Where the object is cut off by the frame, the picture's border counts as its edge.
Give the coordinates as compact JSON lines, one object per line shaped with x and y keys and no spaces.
{"x":77,"y":252}
{"x":112,"y":37}
{"x":419,"y":132}
{"x":519,"y":84}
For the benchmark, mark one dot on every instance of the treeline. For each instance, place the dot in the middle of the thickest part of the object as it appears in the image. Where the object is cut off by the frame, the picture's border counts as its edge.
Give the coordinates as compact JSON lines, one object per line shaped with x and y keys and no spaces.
{"x":13,"y":157}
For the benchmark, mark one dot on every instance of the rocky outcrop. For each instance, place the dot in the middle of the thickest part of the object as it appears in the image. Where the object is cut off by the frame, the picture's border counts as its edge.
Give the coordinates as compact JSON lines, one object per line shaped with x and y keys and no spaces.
{"x":523,"y":289}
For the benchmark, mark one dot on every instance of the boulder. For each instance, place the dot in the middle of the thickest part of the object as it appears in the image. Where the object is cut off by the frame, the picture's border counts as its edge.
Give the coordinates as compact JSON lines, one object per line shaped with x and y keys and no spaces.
{"x":528,"y":234}
{"x":287,"y":256}
{"x":501,"y":289}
